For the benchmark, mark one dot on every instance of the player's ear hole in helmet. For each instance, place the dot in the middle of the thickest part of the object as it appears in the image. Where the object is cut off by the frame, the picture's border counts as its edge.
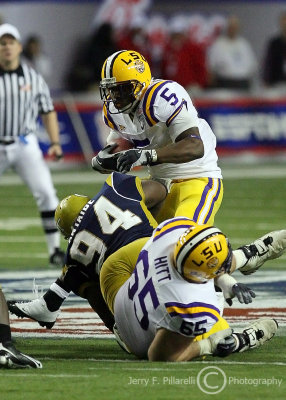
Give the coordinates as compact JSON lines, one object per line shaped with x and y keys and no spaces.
{"x":67,"y":211}
{"x":202,"y":253}
{"x":125,"y":77}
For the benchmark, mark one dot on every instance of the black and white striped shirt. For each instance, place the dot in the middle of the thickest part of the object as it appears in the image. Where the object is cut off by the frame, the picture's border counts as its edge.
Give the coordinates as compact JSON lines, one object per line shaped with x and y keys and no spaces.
{"x":23,"y":96}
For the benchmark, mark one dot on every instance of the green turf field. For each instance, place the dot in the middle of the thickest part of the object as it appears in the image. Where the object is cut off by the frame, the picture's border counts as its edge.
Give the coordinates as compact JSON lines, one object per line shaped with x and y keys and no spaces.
{"x":90,"y":369}
{"x":97,"y":368}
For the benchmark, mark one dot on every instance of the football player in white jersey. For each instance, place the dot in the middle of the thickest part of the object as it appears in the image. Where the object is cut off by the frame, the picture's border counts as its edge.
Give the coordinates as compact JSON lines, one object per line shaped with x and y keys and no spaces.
{"x":113,"y":232}
{"x":159,"y":118}
{"x":168,"y":309}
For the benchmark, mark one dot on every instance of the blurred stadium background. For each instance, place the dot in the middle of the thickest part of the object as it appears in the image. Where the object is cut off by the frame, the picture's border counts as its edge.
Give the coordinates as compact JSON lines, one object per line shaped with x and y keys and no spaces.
{"x":251,"y":131}
{"x":247,"y":122}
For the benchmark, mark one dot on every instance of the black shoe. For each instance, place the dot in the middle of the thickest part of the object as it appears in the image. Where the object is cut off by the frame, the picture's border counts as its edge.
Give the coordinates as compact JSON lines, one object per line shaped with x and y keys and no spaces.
{"x":11,"y":358}
{"x":58,"y":258}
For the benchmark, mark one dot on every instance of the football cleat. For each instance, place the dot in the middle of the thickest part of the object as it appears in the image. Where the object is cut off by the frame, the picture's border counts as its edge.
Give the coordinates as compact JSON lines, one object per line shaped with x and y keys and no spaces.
{"x":268,"y":247}
{"x":257,"y":334}
{"x":36,"y":309}
{"x":11,"y":358}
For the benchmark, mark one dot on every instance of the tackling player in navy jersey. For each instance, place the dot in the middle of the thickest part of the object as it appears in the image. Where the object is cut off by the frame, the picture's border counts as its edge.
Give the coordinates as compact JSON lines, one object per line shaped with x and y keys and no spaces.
{"x":112,"y":228}
{"x":96,"y":228}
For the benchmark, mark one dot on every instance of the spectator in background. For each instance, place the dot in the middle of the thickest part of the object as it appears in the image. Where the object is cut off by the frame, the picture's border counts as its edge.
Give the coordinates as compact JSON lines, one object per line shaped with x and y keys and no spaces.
{"x":231,"y":60}
{"x":135,"y":37}
{"x":86,"y":70}
{"x":35,"y":58}
{"x":102,"y":44}
{"x":183,"y":60}
{"x":274,"y":71}
{"x":157,"y":32}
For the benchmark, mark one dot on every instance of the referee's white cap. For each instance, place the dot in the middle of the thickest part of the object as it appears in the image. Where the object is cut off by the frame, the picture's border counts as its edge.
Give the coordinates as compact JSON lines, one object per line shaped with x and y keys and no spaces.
{"x":8,"y":29}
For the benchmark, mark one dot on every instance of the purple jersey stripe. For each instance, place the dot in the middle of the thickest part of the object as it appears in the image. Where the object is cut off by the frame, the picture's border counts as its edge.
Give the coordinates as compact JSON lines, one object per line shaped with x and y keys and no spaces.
{"x":153,"y":97}
{"x":194,"y":304}
{"x":194,"y":315}
{"x":170,"y":230}
{"x":177,"y":219}
{"x":112,"y":121}
{"x":169,"y":221}
{"x":144,"y":105}
{"x":213,"y":202}
{"x":203,"y":199}
{"x":107,"y":122}
{"x":175,"y":113}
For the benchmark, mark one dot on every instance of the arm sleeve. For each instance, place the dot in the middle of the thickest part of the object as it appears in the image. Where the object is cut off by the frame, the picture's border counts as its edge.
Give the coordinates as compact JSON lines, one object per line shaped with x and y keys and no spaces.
{"x":45,"y":100}
{"x":170,"y":103}
{"x":183,"y":121}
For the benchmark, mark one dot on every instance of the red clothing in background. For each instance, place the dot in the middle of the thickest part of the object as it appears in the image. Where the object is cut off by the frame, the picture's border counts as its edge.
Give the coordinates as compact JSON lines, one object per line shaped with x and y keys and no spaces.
{"x":184,"y":62}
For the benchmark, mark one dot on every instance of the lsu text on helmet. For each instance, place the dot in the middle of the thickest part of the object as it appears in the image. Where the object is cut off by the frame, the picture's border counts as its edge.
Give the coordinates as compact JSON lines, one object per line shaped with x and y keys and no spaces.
{"x":67,"y":212}
{"x":202,"y":253}
{"x":125,"y":77}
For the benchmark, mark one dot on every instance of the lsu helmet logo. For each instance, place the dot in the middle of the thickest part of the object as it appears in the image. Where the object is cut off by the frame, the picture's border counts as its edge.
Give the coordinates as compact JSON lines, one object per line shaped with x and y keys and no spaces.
{"x":139,"y":66}
{"x":213,"y":262}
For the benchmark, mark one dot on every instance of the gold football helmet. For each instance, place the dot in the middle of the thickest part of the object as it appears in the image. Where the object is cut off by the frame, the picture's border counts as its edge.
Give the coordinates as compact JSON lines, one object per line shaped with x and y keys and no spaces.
{"x":125,"y":77}
{"x":202,"y":253}
{"x":67,"y":212}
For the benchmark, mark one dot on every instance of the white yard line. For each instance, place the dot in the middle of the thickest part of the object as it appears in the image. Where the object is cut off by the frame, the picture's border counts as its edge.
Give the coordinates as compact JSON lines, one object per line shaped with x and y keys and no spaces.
{"x":84,"y":176}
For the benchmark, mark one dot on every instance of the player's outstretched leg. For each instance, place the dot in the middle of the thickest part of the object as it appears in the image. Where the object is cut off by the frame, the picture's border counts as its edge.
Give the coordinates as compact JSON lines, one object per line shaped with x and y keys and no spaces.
{"x":36,"y":309}
{"x":252,"y":256}
{"x":256,"y":334}
{"x":11,"y":358}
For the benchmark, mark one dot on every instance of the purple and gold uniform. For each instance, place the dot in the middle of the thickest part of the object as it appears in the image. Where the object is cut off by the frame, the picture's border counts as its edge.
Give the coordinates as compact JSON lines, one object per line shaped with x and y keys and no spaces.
{"x":156,"y":296}
{"x":164,"y":112}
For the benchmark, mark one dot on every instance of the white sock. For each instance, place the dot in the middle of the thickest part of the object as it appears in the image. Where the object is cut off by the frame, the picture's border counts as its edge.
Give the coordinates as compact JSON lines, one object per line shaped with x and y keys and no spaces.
{"x":59,"y":291}
{"x":205,"y":347}
{"x":240,"y":258}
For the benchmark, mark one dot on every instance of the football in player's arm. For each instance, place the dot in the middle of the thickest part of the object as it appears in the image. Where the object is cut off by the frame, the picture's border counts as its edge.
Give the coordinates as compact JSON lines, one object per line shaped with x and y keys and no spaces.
{"x":159,"y":118}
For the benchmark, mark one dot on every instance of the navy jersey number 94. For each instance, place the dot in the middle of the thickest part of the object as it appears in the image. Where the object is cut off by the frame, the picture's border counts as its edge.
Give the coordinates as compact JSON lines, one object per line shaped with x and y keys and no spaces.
{"x":113,"y":218}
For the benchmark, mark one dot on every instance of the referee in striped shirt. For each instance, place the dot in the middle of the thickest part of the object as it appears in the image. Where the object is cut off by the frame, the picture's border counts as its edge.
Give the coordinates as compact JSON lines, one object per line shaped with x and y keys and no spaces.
{"x":24,"y":95}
